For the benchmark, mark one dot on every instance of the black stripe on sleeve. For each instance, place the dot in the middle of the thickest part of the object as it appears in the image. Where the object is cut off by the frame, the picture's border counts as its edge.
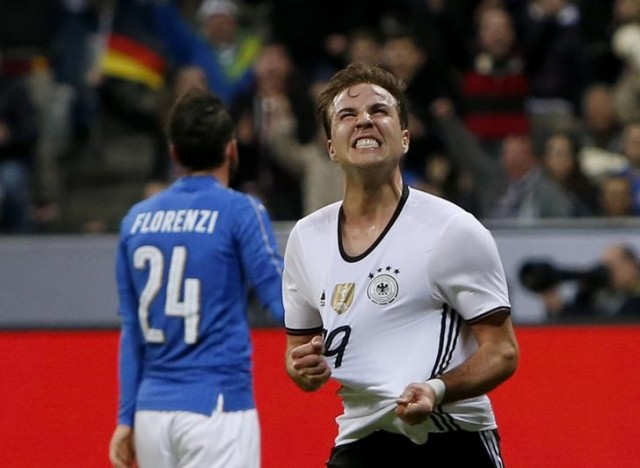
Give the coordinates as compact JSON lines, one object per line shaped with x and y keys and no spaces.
{"x":304,"y":331}
{"x":441,"y":343}
{"x":450,"y":326}
{"x":454,"y":334}
{"x":497,"y":310}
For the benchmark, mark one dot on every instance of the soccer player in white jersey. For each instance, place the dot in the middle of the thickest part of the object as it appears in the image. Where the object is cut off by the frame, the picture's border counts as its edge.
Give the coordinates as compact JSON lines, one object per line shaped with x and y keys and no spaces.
{"x":184,"y":260}
{"x":398,"y":295}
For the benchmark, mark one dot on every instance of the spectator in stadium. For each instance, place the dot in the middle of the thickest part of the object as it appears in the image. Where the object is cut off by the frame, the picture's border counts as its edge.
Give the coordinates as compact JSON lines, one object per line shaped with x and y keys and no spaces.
{"x":317,"y":33}
{"x":561,"y":164}
{"x":599,"y":133}
{"x":406,"y":56}
{"x":276,"y":80}
{"x":365,"y":45}
{"x":518,"y":189}
{"x":623,"y":266}
{"x":320,"y":177}
{"x":601,"y":127}
{"x":356,"y":304}
{"x":625,"y":40}
{"x":631,"y":150}
{"x":136,"y":82}
{"x":440,"y":177}
{"x":360,"y":45}
{"x":184,"y":258}
{"x":493,"y":83}
{"x":557,"y":65}
{"x":599,"y":21}
{"x":609,"y":290}
{"x":615,"y":196}
{"x":226,"y":52}
{"x":18,"y":138}
{"x":76,"y":53}
{"x":68,"y":105}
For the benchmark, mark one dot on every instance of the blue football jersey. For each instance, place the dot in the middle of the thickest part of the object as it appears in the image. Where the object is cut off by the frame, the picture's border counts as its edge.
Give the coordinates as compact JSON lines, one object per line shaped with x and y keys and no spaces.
{"x":186,"y":257}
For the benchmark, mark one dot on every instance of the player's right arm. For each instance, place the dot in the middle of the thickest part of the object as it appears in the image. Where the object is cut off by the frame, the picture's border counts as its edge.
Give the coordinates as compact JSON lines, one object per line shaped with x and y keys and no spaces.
{"x":304,"y":359}
{"x":131,"y":350}
{"x":305,"y":362}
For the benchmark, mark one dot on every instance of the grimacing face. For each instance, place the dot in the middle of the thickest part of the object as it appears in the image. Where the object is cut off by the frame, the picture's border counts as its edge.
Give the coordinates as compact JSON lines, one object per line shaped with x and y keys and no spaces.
{"x":365,"y":127}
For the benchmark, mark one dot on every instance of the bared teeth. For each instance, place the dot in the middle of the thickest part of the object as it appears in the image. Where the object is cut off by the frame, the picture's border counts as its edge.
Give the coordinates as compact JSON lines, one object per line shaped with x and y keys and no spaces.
{"x":367,"y":143}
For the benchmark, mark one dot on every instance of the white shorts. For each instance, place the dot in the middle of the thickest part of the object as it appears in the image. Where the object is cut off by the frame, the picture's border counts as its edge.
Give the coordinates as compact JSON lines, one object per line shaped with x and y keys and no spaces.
{"x":180,"y":439}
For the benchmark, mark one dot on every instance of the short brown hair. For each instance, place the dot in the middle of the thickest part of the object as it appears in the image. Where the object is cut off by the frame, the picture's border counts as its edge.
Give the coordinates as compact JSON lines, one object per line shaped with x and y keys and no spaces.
{"x":357,"y":73}
{"x":199,"y":128}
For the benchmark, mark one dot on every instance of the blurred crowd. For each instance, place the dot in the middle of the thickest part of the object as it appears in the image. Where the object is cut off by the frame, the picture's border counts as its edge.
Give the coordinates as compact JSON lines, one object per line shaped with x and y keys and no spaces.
{"x":520,"y":109}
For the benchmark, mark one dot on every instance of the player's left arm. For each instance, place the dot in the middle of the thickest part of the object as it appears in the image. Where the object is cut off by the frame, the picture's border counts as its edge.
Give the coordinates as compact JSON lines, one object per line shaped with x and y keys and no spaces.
{"x":494,"y":361}
{"x":472,"y":282}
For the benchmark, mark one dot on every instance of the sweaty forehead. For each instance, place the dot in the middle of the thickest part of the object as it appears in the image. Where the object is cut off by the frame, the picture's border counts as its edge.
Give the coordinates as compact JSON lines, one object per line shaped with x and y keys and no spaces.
{"x":362,"y":93}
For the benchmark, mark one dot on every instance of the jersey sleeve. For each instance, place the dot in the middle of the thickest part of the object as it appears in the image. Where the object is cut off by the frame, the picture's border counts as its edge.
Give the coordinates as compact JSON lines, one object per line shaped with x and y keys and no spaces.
{"x":131,"y":341}
{"x":300,"y":317}
{"x":466,"y":271}
{"x":261,"y":258}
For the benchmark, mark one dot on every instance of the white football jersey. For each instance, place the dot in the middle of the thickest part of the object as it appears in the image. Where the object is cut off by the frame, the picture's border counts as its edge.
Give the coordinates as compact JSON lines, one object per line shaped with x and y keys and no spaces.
{"x":398,"y":313}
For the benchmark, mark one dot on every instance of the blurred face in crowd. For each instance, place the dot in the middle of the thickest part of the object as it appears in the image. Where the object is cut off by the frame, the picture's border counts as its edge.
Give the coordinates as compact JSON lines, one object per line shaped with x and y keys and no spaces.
{"x":551,"y":7}
{"x":220,"y":28}
{"x":273,"y":68}
{"x":365,"y":128}
{"x":616,"y":197}
{"x":495,"y":32}
{"x":403,"y":57}
{"x":364,"y":48}
{"x":632,"y":144}
{"x":623,"y":269}
{"x":625,"y":11}
{"x":559,"y":158}
{"x":598,"y":110}
{"x":518,"y":156}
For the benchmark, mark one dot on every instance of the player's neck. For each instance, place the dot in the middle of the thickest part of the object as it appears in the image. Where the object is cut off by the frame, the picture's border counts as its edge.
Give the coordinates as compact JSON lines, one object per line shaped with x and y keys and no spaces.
{"x":365,"y":216}
{"x":221,"y":174}
{"x":371,"y":201}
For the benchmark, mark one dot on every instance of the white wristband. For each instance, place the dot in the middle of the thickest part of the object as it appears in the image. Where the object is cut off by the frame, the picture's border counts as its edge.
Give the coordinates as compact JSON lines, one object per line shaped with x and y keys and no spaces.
{"x":438,"y":387}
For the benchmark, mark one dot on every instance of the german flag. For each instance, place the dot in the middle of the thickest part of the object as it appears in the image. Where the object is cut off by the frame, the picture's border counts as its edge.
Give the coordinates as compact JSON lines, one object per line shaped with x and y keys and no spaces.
{"x":130,"y":60}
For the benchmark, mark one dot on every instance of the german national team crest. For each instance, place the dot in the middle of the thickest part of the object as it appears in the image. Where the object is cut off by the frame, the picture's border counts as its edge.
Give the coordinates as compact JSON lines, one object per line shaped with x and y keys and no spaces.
{"x":342,"y":297}
{"x":383,"y":287}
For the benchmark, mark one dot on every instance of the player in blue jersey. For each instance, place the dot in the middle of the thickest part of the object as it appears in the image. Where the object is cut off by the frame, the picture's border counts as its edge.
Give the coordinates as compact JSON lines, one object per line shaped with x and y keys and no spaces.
{"x":185,"y":258}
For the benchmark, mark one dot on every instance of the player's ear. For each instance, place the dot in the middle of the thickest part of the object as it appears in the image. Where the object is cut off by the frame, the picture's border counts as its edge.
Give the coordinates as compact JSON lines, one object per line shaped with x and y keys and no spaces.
{"x":405,"y":141}
{"x":331,"y":150}
{"x":231,"y":151}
